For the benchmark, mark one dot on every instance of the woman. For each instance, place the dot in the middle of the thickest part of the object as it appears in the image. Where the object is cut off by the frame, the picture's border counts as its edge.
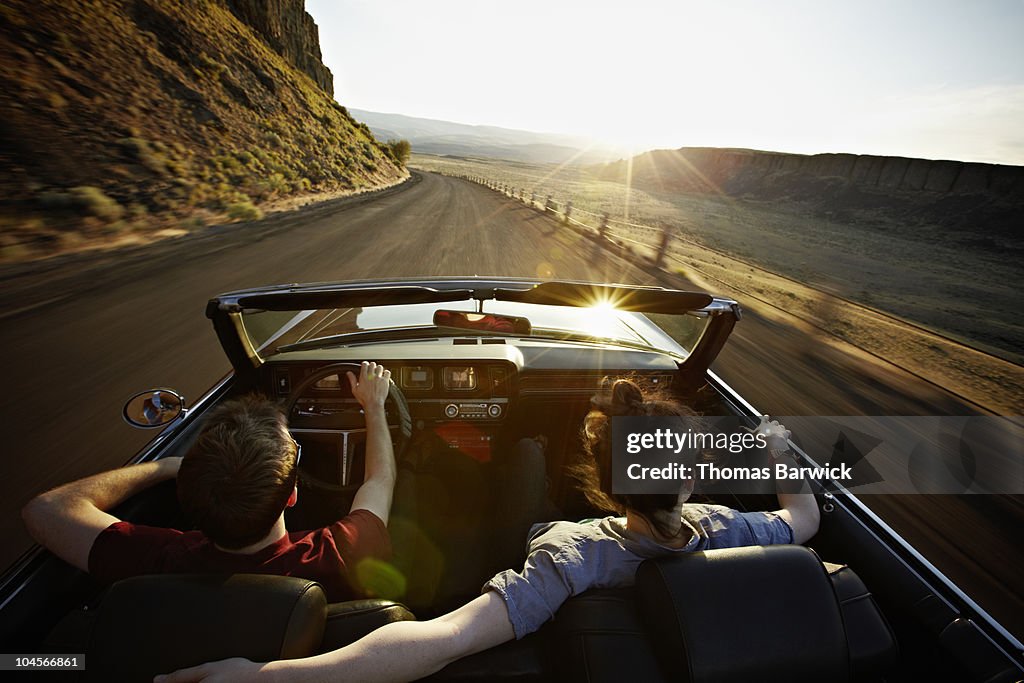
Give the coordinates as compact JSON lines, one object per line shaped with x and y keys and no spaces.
{"x":563,"y":560}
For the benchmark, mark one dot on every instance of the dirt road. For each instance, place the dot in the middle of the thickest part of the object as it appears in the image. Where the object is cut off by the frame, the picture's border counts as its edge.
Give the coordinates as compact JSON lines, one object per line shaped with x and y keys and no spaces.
{"x":82,"y":334}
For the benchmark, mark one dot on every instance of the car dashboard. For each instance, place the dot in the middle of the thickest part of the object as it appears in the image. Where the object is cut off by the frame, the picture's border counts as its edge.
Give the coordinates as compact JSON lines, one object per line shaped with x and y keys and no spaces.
{"x":470,"y":392}
{"x":478,"y":379}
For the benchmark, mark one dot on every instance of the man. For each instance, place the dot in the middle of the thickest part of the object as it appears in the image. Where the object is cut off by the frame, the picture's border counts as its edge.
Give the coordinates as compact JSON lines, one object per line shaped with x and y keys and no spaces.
{"x":235,"y":483}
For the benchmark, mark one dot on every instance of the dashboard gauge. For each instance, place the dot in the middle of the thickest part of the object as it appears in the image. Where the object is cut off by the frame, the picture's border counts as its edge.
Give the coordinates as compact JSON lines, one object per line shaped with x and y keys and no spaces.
{"x":417,"y":377}
{"x":459,"y":378}
{"x":329,"y":383}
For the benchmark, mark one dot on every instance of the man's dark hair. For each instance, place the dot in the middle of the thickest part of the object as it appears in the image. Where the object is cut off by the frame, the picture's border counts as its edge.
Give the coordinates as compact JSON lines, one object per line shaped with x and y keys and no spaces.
{"x":237,"y":477}
{"x":624,"y":399}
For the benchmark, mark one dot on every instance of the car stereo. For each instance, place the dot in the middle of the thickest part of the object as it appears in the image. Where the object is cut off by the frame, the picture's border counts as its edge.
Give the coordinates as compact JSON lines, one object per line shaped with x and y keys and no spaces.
{"x":473,"y":411}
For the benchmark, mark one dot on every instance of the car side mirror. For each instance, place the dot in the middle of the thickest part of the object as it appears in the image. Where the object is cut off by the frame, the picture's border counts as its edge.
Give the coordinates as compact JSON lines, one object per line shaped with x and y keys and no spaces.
{"x":153,"y":408}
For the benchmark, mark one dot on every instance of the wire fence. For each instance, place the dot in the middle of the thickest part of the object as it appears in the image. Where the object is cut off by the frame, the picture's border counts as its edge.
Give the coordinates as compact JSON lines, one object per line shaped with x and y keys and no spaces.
{"x":616,"y":232}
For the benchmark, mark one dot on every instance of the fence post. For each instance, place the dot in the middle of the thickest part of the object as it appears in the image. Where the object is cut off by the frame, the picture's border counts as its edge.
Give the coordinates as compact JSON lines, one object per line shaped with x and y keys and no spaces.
{"x":548,"y":204}
{"x":568,"y":212}
{"x":659,"y":259}
{"x":602,"y":231}
{"x":533,"y":199}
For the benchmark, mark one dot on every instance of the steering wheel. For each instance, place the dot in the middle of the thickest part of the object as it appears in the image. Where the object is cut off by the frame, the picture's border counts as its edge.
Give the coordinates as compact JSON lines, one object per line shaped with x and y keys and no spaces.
{"x":345,"y":420}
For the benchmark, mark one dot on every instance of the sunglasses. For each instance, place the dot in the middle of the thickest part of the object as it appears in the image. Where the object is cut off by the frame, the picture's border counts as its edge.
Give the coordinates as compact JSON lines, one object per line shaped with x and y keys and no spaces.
{"x":298,"y":452}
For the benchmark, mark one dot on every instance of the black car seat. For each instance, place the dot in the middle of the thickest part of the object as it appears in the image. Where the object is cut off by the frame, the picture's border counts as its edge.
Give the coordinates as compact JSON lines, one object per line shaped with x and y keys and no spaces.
{"x":156,"y":624}
{"x":764,"y":613}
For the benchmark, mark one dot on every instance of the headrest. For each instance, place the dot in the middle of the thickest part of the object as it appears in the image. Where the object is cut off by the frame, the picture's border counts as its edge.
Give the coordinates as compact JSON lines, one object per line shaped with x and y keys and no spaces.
{"x":349,"y":621}
{"x":764,"y":613}
{"x":598,"y":637}
{"x":155,"y":624}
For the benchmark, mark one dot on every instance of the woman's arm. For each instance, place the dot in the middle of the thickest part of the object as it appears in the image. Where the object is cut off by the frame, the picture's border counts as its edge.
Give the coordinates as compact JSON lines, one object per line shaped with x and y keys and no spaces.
{"x":799,"y":509}
{"x":400,"y":651}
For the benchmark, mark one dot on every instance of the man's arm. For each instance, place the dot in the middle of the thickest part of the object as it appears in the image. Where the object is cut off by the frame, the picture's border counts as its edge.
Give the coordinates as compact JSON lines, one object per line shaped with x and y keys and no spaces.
{"x":799,"y":510}
{"x":68,"y":519}
{"x":371,"y":390}
{"x":400,"y":651}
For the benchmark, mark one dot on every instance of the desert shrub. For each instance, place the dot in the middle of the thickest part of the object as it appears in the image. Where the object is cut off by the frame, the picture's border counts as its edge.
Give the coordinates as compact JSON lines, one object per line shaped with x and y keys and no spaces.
{"x":93,"y":201}
{"x":210,"y":64}
{"x":137,"y":212}
{"x":226,"y":162}
{"x":244,"y":211}
{"x":178,"y":169}
{"x":400,"y":150}
{"x":141,"y":151}
{"x":277,"y":183}
{"x":273,"y":139}
{"x":261,"y":154}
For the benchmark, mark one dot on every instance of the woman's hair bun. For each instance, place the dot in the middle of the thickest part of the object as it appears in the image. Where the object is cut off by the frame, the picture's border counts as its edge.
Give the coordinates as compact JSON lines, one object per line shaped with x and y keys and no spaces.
{"x":627,"y":399}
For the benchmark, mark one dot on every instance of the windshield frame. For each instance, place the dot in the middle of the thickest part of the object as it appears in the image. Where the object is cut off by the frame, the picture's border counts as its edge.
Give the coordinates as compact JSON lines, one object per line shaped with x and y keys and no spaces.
{"x":227,"y":311}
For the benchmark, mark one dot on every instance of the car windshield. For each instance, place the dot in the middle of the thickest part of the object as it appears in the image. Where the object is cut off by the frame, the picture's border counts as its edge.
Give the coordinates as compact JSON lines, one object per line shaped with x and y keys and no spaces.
{"x":273,"y":331}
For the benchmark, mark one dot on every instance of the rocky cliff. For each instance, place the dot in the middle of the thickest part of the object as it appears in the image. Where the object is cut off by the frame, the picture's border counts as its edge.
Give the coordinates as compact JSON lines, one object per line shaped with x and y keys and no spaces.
{"x":953,"y":193}
{"x":289,"y":31}
{"x":121,"y":118}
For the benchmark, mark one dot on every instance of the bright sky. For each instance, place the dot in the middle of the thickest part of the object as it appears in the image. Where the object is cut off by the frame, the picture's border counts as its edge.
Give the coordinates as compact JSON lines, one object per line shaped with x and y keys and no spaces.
{"x":920,"y":78}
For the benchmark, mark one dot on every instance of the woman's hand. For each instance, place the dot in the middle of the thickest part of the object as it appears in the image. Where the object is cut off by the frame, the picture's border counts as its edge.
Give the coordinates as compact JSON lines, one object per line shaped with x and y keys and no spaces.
{"x":776,"y":435}
{"x":224,"y":671}
{"x":371,"y":389}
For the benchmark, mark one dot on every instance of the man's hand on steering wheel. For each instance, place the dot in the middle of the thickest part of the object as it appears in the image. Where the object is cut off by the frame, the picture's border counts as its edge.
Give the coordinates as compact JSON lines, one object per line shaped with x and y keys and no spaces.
{"x":371,"y":389}
{"x":383,"y":425}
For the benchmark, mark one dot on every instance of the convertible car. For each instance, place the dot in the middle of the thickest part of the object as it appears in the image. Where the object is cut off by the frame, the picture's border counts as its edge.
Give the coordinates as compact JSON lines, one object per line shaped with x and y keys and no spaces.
{"x":479,"y":363}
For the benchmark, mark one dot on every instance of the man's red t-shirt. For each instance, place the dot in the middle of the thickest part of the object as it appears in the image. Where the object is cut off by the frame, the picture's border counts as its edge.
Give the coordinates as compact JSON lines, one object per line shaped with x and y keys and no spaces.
{"x":330,"y":555}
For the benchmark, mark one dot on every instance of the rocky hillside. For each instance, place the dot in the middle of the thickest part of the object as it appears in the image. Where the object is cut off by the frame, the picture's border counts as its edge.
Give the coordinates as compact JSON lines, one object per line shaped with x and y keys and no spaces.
{"x":290,"y":31}
{"x":970,"y":196}
{"x":122,"y":118}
